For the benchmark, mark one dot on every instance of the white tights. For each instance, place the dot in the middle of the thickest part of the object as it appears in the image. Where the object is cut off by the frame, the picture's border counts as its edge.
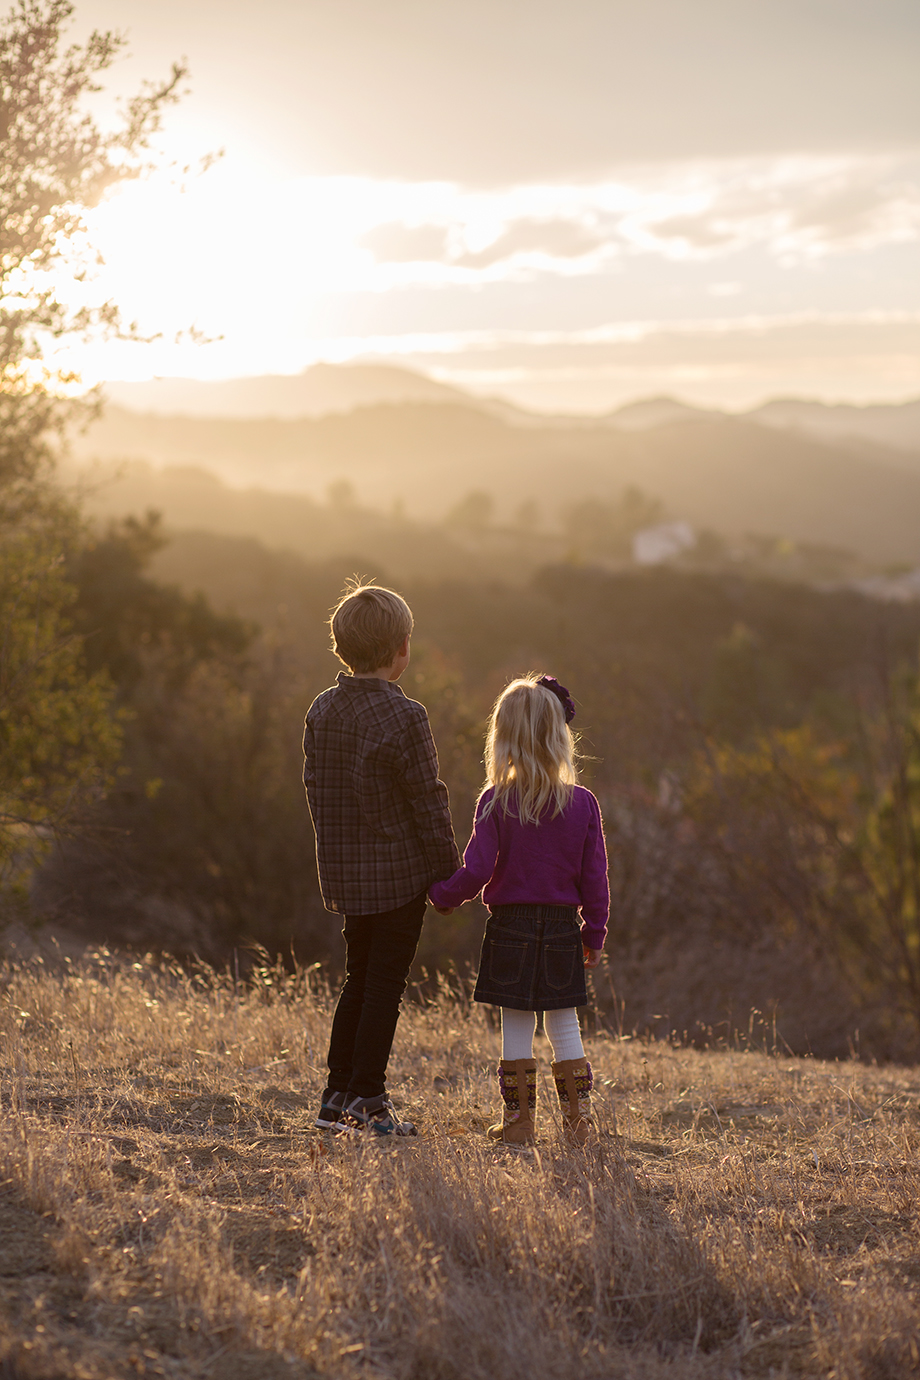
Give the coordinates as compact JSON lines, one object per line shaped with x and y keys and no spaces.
{"x":561,"y":1028}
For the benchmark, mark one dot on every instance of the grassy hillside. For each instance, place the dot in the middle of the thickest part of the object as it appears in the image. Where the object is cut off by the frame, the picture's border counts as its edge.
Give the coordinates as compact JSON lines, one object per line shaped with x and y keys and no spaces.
{"x":203,"y":842}
{"x":728,"y":475}
{"x":168,"y":1209}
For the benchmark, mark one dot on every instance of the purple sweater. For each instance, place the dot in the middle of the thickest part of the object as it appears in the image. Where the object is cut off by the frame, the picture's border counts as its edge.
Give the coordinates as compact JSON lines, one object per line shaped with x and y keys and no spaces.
{"x":558,"y":862}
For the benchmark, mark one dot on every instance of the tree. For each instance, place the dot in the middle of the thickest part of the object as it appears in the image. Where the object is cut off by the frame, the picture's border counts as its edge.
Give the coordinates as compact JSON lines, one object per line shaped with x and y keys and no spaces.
{"x":596,"y":528}
{"x":55,"y":164}
{"x":189,"y":817}
{"x":473,"y":513}
{"x":132,"y":626}
{"x":744,"y":691}
{"x":58,"y":739}
{"x":828,"y":838}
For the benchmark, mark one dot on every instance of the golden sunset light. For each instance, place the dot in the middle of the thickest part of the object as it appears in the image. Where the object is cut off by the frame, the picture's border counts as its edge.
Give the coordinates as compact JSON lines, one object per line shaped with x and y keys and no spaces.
{"x":460,"y":689}
{"x":561,"y":200}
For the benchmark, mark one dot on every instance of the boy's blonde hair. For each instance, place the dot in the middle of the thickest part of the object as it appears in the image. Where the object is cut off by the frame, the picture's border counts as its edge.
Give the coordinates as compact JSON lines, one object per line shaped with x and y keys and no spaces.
{"x":530,"y":752}
{"x":369,"y":625}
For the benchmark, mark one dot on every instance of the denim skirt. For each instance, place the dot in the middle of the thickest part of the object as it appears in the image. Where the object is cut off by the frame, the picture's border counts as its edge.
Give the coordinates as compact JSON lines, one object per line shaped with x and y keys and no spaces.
{"x":532,"y":959}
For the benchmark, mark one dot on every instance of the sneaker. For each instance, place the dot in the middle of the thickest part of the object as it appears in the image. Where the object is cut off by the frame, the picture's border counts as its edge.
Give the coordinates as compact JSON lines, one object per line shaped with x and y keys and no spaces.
{"x":376,"y":1114}
{"x":332,"y":1109}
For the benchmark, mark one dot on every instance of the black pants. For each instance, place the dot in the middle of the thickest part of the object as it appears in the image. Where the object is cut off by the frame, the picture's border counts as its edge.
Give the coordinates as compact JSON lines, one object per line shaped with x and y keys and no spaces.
{"x":379,"y":950}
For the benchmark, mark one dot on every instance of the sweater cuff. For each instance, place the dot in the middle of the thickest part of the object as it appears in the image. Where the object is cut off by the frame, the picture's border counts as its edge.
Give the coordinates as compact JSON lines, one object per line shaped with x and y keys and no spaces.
{"x":592,"y":936}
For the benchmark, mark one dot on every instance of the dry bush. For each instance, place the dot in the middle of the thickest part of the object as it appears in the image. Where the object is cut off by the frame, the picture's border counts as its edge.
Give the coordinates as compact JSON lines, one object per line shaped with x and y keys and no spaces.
{"x":167,"y":1208}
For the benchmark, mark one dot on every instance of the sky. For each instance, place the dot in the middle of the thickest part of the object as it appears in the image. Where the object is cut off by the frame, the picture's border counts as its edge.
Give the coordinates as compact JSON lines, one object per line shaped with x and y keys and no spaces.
{"x":569,"y":205}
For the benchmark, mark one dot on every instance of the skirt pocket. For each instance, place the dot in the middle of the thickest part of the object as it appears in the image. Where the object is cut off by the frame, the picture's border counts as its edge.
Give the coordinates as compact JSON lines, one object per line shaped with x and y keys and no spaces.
{"x":559,"y":962}
{"x":506,"y":961}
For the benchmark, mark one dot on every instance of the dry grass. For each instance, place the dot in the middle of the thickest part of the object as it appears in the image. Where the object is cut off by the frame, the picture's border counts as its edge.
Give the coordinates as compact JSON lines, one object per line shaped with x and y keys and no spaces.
{"x":167,"y":1209}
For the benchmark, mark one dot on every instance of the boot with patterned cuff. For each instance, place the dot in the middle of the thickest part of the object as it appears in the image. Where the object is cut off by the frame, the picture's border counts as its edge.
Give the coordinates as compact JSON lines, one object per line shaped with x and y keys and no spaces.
{"x":574,"y":1080}
{"x":517,"y":1079}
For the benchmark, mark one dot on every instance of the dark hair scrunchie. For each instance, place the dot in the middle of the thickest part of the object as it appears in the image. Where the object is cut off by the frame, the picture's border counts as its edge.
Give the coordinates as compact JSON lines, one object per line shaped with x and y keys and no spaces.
{"x":562,"y":695}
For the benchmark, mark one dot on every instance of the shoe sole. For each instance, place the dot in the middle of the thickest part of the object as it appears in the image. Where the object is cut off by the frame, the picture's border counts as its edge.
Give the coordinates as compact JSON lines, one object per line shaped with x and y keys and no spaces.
{"x":358,"y":1127}
{"x":324,"y":1125}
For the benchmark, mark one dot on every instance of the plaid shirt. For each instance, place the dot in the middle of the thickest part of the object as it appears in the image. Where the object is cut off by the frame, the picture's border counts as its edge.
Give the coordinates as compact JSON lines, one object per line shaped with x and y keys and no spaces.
{"x":381,"y":816}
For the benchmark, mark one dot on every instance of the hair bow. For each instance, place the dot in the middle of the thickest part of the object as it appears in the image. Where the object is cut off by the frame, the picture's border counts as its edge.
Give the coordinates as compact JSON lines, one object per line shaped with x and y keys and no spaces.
{"x":562,"y":695}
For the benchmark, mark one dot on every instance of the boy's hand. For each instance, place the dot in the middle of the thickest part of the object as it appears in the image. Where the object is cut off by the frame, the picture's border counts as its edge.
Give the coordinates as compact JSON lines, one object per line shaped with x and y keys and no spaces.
{"x":592,"y":956}
{"x":444,"y":910}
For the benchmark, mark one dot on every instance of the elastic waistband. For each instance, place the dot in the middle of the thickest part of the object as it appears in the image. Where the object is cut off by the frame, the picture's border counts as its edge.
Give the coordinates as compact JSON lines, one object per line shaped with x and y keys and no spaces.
{"x":524,"y":911}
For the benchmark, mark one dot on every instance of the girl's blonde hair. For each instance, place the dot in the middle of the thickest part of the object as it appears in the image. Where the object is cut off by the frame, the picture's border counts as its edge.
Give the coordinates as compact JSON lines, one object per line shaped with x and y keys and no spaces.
{"x":530,"y":752}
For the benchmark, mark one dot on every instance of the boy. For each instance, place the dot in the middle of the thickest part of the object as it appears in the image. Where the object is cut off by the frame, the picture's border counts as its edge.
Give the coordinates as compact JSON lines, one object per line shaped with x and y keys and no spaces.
{"x":383,"y":835}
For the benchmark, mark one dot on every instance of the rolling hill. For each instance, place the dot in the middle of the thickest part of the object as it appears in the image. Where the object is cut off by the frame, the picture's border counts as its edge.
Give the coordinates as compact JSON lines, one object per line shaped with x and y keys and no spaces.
{"x":325,"y":388}
{"x":893,"y":425}
{"x":316,"y":391}
{"x":727,"y":474}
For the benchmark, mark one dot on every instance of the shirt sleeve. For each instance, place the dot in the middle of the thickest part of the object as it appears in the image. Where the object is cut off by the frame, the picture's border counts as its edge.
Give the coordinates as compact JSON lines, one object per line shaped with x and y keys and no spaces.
{"x":309,"y":763}
{"x":479,"y":861}
{"x":594,"y":887}
{"x":428,"y":797}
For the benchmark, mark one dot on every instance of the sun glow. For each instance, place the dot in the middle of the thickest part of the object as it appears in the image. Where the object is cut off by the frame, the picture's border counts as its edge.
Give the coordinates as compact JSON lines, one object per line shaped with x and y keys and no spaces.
{"x":228,"y":256}
{"x":279,"y":272}
{"x":234,"y":258}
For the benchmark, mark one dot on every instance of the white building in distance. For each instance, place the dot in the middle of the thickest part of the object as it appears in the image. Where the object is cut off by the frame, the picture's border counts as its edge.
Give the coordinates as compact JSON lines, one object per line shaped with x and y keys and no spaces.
{"x":655,"y":545}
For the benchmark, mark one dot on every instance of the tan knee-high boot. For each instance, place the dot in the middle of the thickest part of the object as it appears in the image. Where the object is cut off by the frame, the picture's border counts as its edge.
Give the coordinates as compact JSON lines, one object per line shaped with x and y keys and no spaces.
{"x":517,"y":1079}
{"x":574,"y":1079}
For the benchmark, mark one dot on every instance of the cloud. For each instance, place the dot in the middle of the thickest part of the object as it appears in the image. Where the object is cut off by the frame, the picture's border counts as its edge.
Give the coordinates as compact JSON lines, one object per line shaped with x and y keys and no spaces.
{"x":783,"y":208}
{"x":859,"y":211}
{"x":703,"y":231}
{"x":725,"y":361}
{"x":497,"y":94}
{"x":549,"y":239}
{"x":395,"y":243}
{"x":800,"y":206}
{"x":494,"y":94}
{"x":526,"y":237}
{"x":693,"y":344}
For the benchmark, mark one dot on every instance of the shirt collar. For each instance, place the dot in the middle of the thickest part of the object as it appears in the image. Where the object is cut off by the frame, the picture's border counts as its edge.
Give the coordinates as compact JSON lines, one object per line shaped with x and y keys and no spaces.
{"x":371,"y":683}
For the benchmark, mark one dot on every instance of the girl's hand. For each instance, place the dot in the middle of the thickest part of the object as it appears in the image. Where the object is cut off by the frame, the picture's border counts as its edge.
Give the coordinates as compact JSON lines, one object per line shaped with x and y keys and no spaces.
{"x":592,"y":956}
{"x":444,"y":910}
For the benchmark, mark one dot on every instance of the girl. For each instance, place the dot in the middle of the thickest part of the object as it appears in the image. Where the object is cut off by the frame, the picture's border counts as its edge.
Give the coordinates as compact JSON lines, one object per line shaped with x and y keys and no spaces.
{"x":537,"y":854}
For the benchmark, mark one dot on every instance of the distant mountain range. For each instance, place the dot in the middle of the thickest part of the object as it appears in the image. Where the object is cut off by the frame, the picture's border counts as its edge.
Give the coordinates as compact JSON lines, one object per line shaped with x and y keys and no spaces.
{"x":730,"y":475}
{"x":321,"y":389}
{"x":888,"y":424}
{"x":324,"y":389}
